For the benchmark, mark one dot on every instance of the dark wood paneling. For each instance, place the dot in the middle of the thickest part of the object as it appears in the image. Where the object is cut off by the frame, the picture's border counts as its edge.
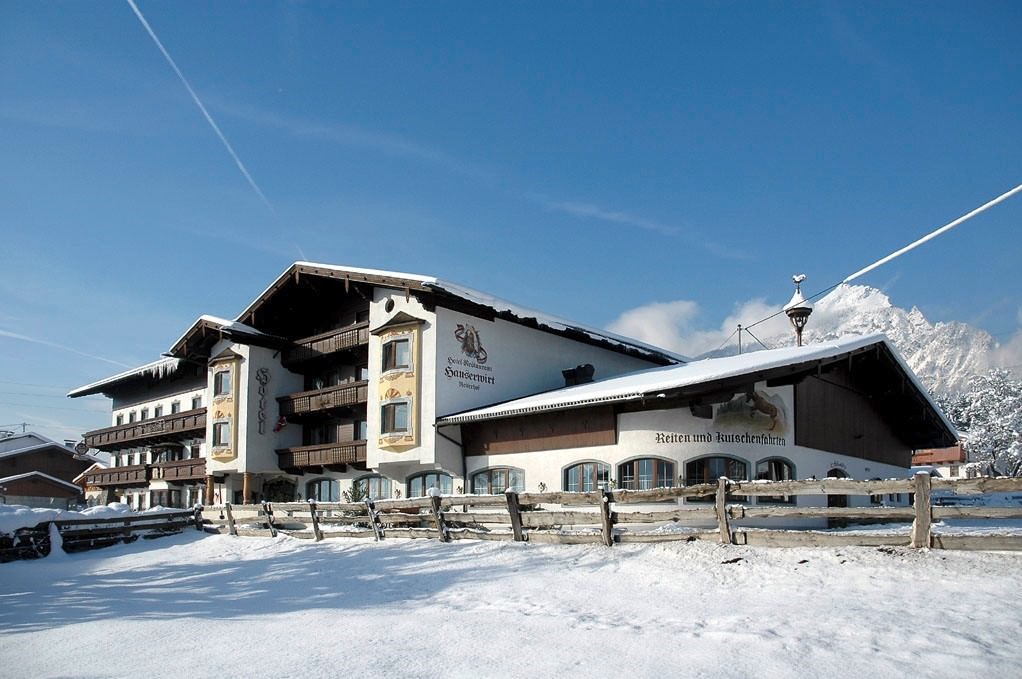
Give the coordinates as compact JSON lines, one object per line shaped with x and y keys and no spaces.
{"x":34,"y":486}
{"x":832,"y":414}
{"x":180,"y":470}
{"x":166,"y":428}
{"x":53,"y":460}
{"x":547,"y":431}
{"x":340,"y":339}
{"x":322,"y":455}
{"x":317,"y":400}
{"x":133,"y":475}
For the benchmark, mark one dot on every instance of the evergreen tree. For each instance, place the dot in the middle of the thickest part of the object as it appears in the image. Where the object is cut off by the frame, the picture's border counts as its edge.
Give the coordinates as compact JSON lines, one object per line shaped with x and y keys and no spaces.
{"x":989,"y":417}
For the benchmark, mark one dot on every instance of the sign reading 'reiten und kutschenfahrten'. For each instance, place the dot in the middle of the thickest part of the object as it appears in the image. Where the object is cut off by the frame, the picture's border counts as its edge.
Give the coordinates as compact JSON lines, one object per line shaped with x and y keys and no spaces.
{"x":754,"y":417}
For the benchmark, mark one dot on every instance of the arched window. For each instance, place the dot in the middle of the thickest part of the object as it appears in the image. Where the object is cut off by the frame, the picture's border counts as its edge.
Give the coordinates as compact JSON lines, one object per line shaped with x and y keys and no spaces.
{"x":375,"y":486}
{"x":586,"y":476}
{"x":323,"y":490}
{"x":420,"y":484}
{"x":498,"y":479}
{"x":709,"y":469}
{"x":646,"y":473}
{"x":776,"y":469}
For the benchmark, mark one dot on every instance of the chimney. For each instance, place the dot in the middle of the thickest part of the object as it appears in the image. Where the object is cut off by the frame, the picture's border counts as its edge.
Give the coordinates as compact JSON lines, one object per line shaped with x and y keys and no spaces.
{"x":578,"y":375}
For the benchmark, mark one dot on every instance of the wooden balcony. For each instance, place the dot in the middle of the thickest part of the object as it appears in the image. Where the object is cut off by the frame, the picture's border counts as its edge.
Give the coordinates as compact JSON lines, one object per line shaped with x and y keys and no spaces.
{"x":324,"y":344}
{"x":333,"y":456}
{"x":317,"y":400}
{"x":132,"y":475}
{"x":193,"y":469}
{"x":165,"y":428}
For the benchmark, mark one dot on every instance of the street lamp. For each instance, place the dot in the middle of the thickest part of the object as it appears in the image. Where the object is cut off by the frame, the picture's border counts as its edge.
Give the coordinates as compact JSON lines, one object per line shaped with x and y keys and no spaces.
{"x":798,"y":309}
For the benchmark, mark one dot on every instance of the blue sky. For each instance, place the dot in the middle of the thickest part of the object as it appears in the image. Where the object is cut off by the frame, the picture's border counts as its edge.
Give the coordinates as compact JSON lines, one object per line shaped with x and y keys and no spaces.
{"x":583,"y":159}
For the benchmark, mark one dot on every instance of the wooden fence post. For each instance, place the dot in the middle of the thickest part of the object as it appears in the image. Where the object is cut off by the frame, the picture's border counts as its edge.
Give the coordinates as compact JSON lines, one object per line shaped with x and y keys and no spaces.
{"x":315,"y":520}
{"x":607,"y":521}
{"x":197,"y":516}
{"x":515,"y":510}
{"x":721,"y":508}
{"x":374,"y":519}
{"x":438,"y":518}
{"x":268,"y":511}
{"x":924,"y":512}
{"x":232,"y":529}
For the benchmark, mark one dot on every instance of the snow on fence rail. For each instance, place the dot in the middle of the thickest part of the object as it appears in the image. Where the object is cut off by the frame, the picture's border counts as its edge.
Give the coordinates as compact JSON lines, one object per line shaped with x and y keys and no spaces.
{"x":80,"y":534}
{"x":592,"y":518}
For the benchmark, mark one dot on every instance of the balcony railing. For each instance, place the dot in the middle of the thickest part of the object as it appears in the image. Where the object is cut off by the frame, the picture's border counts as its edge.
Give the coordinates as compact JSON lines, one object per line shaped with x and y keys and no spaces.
{"x":325,"y":455}
{"x":316,"y":400}
{"x":340,"y":339}
{"x":167,"y":427}
{"x":180,"y":470}
{"x":132,"y":475}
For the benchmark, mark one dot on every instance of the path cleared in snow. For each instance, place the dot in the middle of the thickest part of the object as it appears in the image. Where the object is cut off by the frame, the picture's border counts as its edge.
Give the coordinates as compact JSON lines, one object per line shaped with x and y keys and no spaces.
{"x":215,"y":606}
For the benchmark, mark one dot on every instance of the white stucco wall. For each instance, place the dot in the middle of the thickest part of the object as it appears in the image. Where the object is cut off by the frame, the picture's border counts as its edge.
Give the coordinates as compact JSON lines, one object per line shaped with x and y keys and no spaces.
{"x":678,"y":436}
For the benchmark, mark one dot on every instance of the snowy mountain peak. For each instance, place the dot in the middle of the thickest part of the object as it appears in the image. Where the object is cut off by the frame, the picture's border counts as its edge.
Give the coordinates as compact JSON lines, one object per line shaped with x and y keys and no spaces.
{"x":944,"y":355}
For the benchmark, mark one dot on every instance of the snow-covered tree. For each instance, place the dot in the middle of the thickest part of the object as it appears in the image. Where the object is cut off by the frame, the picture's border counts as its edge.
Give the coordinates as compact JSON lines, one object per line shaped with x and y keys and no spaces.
{"x":989,"y":416}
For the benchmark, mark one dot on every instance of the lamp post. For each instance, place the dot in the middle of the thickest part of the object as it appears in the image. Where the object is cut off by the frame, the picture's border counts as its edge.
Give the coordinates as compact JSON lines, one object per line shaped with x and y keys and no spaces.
{"x":798,"y":308}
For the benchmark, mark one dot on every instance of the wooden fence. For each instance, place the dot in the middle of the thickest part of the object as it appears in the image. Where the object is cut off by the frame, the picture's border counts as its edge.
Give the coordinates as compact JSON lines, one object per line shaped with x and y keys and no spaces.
{"x":90,"y":533}
{"x":598,"y":517}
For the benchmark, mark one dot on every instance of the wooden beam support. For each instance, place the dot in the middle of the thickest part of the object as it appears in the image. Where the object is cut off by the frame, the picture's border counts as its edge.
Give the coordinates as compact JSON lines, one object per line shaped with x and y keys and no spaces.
{"x":515,"y":510}
{"x":921,"y":536}
{"x":607,"y":522}
{"x":721,"y":508}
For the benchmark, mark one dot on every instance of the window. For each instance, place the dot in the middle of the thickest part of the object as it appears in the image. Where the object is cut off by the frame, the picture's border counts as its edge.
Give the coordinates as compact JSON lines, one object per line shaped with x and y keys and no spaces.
{"x":709,"y":469}
{"x":320,"y":434}
{"x":420,"y":484}
{"x":360,"y":430}
{"x":363,"y":373}
{"x":193,"y":451}
{"x":131,"y":416}
{"x":144,"y":415}
{"x":158,"y":411}
{"x":221,"y":434}
{"x":374,"y":486}
{"x":646,"y":473}
{"x":196,"y":402}
{"x":175,"y":407}
{"x":497,"y":480}
{"x":585,"y":477}
{"x":323,"y":490}
{"x":776,"y":469}
{"x":120,"y":420}
{"x":222,"y":383}
{"x":394,"y":417}
{"x":397,"y":354}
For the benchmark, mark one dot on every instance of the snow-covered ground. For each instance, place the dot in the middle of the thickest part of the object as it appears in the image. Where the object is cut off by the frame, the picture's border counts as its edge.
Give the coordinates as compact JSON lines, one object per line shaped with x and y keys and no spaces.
{"x":220,"y":606}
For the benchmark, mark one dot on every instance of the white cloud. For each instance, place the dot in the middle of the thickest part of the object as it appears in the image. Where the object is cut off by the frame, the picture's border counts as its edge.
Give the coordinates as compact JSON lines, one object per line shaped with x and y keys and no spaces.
{"x":679,"y":325}
{"x":1009,"y":354}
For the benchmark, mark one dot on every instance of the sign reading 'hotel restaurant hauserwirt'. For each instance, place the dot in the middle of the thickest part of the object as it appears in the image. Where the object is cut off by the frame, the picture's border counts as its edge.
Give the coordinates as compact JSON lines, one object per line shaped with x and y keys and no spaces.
{"x":754,"y":418}
{"x":469,"y":371}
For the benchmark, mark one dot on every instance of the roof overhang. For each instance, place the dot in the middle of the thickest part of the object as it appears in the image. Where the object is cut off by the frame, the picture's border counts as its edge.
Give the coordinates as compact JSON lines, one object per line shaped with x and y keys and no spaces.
{"x":711,"y":380}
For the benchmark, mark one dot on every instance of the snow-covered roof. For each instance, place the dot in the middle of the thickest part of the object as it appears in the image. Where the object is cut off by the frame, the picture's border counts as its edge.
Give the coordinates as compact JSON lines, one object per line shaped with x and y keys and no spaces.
{"x":18,"y":477}
{"x":96,"y":466}
{"x":653,"y":383}
{"x":42,"y":444}
{"x":401,"y":280}
{"x":159,"y":368}
{"x":222,"y":323}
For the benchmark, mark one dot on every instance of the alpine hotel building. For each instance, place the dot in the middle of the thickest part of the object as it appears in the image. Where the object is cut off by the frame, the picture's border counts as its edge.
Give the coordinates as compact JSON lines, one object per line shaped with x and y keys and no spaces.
{"x":336,"y":376}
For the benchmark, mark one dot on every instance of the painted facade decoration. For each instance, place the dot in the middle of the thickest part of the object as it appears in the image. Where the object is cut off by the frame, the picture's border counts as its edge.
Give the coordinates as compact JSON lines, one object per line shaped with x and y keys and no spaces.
{"x":223,"y":422}
{"x":399,"y":388}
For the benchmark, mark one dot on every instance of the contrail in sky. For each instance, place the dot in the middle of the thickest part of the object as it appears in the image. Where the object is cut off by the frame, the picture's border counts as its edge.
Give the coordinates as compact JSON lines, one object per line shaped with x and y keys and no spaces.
{"x":54,"y":345}
{"x":195,"y":98}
